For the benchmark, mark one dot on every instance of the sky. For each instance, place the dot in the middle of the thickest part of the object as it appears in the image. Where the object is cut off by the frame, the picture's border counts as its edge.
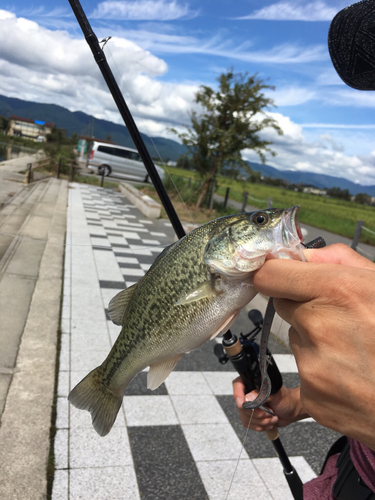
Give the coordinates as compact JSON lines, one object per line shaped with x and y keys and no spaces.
{"x":161,"y":51}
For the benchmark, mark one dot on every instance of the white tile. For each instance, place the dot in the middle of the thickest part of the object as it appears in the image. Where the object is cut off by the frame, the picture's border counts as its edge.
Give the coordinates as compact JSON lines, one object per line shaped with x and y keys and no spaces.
{"x":61,"y":449}
{"x":100,"y":242}
{"x":143,"y":221}
{"x":145,"y":267}
{"x":107,"y":266}
{"x":232,"y":480}
{"x":271,"y":471}
{"x":151,"y":242}
{"x":88,"y":360}
{"x":129,"y":271}
{"x":63,"y":383}
{"x":84,"y":341}
{"x":64,"y":361}
{"x":88,"y":449}
{"x":187,"y":383}
{"x":149,"y":410}
{"x":213,"y":442}
{"x":127,"y":260}
{"x":60,"y":485}
{"x":117,"y":239}
{"x":220,"y":382}
{"x":286,"y":363}
{"x":198,"y":409}
{"x":162,"y":235}
{"x":62,"y":413}
{"x":131,"y":235}
{"x":136,"y":250}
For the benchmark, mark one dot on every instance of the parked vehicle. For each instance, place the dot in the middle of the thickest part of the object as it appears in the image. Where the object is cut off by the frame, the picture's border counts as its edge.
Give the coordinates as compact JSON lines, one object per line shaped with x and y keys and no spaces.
{"x":113,"y":159}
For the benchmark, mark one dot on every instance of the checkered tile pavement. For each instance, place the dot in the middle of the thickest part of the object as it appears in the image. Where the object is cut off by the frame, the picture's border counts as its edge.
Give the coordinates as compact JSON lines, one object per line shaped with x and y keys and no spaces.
{"x":182,"y":441}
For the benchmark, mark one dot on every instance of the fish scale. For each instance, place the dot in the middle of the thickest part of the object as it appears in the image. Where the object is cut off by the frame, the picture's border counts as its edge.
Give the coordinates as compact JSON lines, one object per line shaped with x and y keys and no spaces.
{"x":194,"y":290}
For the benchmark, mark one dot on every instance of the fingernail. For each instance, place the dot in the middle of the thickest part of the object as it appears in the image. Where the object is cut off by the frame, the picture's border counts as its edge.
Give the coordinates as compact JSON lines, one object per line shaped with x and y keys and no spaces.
{"x":250,"y":397}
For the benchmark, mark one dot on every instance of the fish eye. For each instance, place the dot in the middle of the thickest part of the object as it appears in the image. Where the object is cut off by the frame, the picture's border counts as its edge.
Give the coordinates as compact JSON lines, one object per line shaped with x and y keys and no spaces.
{"x":260,"y":218}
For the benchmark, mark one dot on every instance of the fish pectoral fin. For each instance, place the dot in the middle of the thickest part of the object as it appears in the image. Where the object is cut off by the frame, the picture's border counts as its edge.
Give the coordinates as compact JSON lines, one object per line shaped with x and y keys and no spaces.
{"x":117,"y":306}
{"x":227,"y":324}
{"x":204,"y":290}
{"x":160,"y":371}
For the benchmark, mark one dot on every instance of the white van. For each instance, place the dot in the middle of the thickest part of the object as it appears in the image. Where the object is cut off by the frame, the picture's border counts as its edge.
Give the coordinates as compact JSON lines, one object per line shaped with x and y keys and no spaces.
{"x":113,"y":159}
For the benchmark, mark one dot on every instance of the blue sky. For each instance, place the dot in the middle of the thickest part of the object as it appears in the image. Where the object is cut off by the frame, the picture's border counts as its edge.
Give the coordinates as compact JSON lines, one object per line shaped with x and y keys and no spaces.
{"x":161,"y":51}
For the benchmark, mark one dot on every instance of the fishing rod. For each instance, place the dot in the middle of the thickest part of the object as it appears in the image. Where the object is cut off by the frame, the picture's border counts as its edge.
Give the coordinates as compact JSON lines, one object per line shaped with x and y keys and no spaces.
{"x":113,"y":87}
{"x":243,"y":353}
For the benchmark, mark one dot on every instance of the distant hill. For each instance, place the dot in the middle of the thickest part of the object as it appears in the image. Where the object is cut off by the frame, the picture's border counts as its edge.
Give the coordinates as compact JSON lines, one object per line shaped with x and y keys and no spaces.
{"x":309,"y":178}
{"x":83,"y":124}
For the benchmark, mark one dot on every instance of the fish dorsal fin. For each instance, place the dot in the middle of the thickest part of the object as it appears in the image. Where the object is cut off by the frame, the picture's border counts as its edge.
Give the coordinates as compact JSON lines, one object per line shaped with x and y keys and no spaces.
{"x":204,"y":290}
{"x":119,"y":303}
{"x":160,"y":371}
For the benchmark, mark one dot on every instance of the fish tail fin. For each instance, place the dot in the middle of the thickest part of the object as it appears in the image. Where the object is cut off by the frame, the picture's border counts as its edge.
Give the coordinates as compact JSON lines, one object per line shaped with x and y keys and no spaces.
{"x":92,"y":395}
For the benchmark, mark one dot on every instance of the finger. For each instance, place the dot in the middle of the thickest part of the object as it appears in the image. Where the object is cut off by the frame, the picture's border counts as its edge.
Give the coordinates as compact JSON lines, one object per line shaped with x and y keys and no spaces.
{"x":238,"y":392}
{"x":288,"y":279}
{"x":338,"y":253}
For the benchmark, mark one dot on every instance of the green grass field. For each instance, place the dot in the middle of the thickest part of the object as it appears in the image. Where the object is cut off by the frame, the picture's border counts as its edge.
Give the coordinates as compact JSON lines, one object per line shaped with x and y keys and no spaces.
{"x":334,"y":215}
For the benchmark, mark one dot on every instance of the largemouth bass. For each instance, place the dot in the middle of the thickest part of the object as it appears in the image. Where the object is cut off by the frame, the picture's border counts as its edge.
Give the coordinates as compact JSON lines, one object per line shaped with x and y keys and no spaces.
{"x":194,"y":291}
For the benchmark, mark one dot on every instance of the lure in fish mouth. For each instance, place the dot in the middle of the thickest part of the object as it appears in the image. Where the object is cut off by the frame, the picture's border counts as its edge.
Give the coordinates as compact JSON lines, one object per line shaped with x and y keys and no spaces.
{"x":194,"y":291}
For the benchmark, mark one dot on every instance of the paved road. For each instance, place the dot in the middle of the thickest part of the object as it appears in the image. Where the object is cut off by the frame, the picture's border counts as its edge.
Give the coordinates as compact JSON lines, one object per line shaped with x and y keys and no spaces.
{"x":182,"y":441}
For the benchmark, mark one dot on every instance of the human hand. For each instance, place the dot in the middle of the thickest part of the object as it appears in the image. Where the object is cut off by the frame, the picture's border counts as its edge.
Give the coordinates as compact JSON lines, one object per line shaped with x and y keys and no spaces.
{"x":286,"y":404}
{"x":329,"y":302}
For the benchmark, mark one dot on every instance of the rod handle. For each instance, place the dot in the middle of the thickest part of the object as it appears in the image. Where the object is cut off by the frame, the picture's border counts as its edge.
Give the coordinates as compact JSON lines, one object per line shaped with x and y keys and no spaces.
{"x":272,"y":434}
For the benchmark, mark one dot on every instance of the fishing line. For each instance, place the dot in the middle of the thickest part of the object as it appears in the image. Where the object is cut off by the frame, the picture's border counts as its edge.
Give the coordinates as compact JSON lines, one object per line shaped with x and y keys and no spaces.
{"x":239,"y":457}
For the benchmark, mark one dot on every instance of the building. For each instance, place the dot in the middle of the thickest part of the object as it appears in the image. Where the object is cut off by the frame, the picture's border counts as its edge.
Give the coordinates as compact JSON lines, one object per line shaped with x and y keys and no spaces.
{"x":36,"y":130}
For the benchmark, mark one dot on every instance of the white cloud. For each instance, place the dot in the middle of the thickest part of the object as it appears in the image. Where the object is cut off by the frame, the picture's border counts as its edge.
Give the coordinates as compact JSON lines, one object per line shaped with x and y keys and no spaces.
{"x":294,"y":11}
{"x":148,"y":10}
{"x":292,"y":95}
{"x":295,"y":152}
{"x":166,"y":43}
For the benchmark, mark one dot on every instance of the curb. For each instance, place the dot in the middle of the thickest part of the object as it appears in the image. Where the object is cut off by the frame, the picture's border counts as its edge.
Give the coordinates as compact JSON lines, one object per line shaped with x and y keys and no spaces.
{"x":149,"y":207}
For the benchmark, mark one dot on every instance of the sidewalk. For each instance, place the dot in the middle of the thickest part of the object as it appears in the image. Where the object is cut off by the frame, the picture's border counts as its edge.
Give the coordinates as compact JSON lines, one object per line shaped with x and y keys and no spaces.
{"x":179,"y":442}
{"x":30,"y":290}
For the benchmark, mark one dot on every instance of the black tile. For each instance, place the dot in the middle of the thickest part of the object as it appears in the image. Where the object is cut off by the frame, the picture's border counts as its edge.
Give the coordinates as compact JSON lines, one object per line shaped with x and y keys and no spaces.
{"x":112,"y":284}
{"x":129,"y":266}
{"x":164,"y":465}
{"x":94,"y":224}
{"x":99,"y":236}
{"x":106,"y":249}
{"x":138,"y":387}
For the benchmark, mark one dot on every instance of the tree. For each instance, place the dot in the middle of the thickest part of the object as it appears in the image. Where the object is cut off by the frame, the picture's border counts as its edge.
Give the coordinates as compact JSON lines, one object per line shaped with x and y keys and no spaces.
{"x":337,"y":192}
{"x":231,"y":119}
{"x":363,"y":198}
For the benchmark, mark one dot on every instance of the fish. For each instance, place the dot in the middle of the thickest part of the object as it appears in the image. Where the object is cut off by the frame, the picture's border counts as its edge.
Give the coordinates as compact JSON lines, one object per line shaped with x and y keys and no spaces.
{"x":194,"y":291}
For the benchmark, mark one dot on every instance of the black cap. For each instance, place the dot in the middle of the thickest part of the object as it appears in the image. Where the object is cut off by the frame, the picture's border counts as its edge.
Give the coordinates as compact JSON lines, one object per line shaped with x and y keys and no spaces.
{"x":351,"y":43}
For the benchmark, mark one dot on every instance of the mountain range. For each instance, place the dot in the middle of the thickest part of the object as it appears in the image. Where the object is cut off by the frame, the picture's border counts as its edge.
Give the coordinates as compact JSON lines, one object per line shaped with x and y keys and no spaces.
{"x":82,"y":124}
{"x":320,"y":181}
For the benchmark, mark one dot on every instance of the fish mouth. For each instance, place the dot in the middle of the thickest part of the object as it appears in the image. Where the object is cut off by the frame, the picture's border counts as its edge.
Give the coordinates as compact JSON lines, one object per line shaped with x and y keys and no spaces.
{"x":292,"y":233}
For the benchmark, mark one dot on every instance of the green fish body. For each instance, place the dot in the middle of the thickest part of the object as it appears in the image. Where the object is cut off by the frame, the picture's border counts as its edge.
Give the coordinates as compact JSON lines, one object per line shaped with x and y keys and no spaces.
{"x":194,"y":290}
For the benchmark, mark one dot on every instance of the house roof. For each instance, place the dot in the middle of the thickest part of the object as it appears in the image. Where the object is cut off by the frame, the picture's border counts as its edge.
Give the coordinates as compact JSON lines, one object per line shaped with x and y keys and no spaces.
{"x":30,"y":120}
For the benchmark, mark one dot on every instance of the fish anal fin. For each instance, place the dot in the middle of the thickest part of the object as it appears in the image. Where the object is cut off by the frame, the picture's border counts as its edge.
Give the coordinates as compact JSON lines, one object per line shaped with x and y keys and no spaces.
{"x":204,"y":290}
{"x":117,"y":306}
{"x":227,"y":324}
{"x":160,"y":371}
